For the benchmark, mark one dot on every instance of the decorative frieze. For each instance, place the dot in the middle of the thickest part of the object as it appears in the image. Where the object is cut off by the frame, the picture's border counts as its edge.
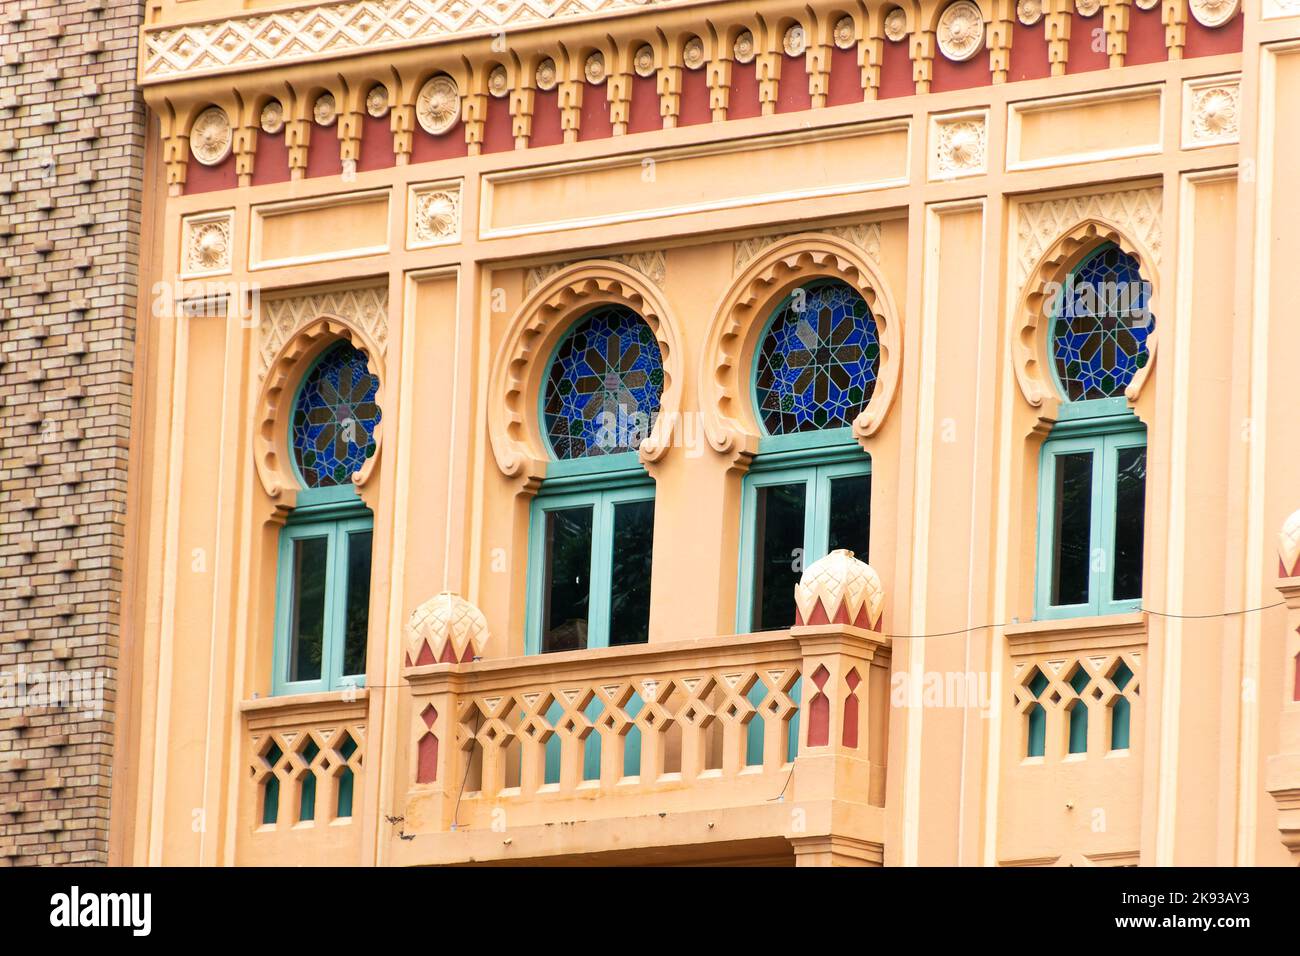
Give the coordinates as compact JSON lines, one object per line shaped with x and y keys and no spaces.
{"x":864,"y":235}
{"x":652,"y":264}
{"x":364,"y":309}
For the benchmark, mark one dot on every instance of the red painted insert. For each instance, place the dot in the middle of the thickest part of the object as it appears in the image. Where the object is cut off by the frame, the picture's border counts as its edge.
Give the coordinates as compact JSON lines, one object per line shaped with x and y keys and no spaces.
{"x":643,"y":114}
{"x":547,"y":130}
{"x":695,"y":99}
{"x":895,"y":70}
{"x":819,"y":711}
{"x":1087,"y":44}
{"x":1146,"y":37}
{"x":271,"y":161}
{"x":376,"y":143}
{"x":426,"y":148}
{"x":743,"y":102}
{"x":498,"y":127}
{"x":960,"y":76}
{"x":1210,"y":41}
{"x":845,"y":84}
{"x":426,"y":655}
{"x":850,"y":735}
{"x":426,"y":770}
{"x":323,"y":152}
{"x":204,"y":179}
{"x":595,"y":113}
{"x":1028,"y":52}
{"x":792,"y":91}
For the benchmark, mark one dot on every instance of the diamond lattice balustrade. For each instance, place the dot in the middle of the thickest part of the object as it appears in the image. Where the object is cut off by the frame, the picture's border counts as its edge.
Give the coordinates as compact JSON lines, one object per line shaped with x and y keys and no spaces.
{"x":726,"y":740}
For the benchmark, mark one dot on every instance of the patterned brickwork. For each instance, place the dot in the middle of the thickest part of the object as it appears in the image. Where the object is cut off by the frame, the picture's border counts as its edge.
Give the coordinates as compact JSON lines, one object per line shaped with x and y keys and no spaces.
{"x":71,"y":170}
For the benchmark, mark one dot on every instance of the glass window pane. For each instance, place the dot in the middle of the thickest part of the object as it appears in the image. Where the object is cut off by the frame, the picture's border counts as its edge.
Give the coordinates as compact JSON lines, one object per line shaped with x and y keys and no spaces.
{"x":850,"y":515}
{"x":567,"y":584}
{"x":778,"y":553}
{"x":1071,"y":534}
{"x":1130,"y":502}
{"x":357,"y":611}
{"x":307,"y":614}
{"x":629,"y":599}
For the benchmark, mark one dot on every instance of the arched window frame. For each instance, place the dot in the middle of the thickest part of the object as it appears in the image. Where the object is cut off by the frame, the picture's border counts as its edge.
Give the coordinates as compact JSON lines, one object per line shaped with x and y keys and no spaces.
{"x":336,"y":516}
{"x":814,"y":459}
{"x":1105,"y":430}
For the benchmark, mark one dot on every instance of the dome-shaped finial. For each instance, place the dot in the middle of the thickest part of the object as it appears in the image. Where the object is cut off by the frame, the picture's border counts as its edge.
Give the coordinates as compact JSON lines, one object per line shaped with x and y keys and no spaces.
{"x":446,"y":629}
{"x":839,"y":589}
{"x":1288,"y":546}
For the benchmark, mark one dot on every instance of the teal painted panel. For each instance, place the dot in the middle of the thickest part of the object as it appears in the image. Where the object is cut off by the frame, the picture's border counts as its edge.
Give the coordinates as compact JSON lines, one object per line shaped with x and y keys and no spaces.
{"x":632,"y":739}
{"x":755,"y":730}
{"x":1120,"y":715}
{"x":346,"y":782}
{"x":1037,"y":731}
{"x":792,"y":733}
{"x":271,"y":801}
{"x":592,"y":745}
{"x":554,"y":745}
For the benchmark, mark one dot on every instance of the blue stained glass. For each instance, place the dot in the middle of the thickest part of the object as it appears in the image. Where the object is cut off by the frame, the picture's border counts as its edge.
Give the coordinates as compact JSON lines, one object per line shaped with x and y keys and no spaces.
{"x":817,"y":365}
{"x":335,"y":417}
{"x":1101,"y":326}
{"x":603,"y":389}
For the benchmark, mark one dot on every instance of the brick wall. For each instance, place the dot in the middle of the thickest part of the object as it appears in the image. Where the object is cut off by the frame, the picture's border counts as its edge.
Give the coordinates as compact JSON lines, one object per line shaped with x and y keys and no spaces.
{"x":71,"y":170}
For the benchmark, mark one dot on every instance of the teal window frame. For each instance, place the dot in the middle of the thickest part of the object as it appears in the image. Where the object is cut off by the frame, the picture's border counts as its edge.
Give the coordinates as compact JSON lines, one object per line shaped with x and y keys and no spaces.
{"x":332,"y":513}
{"x":1103,"y":427}
{"x":813,"y":458}
{"x":601,"y":482}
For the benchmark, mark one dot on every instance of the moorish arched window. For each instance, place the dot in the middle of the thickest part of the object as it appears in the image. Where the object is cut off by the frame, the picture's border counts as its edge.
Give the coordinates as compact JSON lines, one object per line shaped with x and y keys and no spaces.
{"x":323,"y":589}
{"x":1092,"y":491}
{"x":592,"y":524}
{"x":808,"y":490}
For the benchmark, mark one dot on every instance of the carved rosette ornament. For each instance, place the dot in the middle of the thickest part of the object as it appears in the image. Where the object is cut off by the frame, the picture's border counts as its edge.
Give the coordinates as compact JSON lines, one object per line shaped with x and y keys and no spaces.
{"x":594,"y":70}
{"x":498,"y":82}
{"x":207,"y":244}
{"x":895,"y":25}
{"x":1215,"y":113}
{"x":1147,"y":4}
{"x":324,"y":112}
{"x":693,"y":53}
{"x":1087,"y":8}
{"x":437,"y":107}
{"x":794,"y":42}
{"x":437,"y":216}
{"x":446,"y":629}
{"x":839,"y":589}
{"x":1029,"y":11}
{"x":845,"y":32}
{"x":272,"y":118}
{"x":743,"y":48}
{"x":961,"y":31}
{"x":644,"y":61}
{"x":546,"y":75}
{"x":1214,"y":13}
{"x":960,"y":147}
{"x":377,"y":101}
{"x":211,"y":136}
{"x":1288,"y":547}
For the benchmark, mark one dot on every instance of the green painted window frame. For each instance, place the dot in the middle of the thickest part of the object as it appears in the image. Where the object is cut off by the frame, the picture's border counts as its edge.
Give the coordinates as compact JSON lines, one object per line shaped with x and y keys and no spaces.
{"x":814,"y":458}
{"x":602,"y":483}
{"x":334,"y":514}
{"x":1103,"y":427}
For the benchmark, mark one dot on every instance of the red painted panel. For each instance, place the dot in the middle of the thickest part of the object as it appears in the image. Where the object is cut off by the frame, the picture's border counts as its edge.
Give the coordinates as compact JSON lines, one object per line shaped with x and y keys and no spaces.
{"x":819,"y":721}
{"x":547,"y":130}
{"x":427,"y":765}
{"x":845,"y":84}
{"x":960,"y":76}
{"x":1146,"y":37}
{"x":323,"y":152}
{"x":595,"y":113}
{"x":376,"y":143}
{"x":1295,"y":694}
{"x":204,"y":179}
{"x":695,"y":99}
{"x":850,"y":735}
{"x":1087,"y":44}
{"x":895,"y":70}
{"x":1209,"y":41}
{"x":426,"y":148}
{"x":1028,"y":52}
{"x":498,"y":128}
{"x":643,"y":114}
{"x":743,"y":102}
{"x":792,"y":92}
{"x":271,"y":161}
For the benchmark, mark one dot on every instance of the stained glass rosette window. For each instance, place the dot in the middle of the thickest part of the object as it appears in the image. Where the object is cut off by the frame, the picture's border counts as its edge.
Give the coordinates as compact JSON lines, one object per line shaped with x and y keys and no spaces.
{"x":1101,"y":326}
{"x":818,"y":363}
{"x":603,"y":389}
{"x":334,"y":418}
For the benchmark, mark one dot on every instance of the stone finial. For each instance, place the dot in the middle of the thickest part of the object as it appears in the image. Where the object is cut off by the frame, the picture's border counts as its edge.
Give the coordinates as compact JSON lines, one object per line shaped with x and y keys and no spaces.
{"x":839,"y":589}
{"x":1288,"y":546}
{"x":446,"y":629}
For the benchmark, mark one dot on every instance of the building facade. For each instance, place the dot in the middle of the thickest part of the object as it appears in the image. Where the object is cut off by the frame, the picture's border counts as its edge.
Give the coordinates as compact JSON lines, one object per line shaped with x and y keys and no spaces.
{"x":72,"y":174}
{"x":696,"y":431}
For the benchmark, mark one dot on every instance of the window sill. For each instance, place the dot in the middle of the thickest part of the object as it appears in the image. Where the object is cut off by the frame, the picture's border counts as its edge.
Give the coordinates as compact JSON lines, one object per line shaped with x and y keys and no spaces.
{"x":1095,"y":632}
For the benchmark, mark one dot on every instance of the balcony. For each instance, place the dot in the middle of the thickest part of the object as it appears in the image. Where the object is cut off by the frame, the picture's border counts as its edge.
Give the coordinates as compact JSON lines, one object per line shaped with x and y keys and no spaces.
{"x":760,"y":748}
